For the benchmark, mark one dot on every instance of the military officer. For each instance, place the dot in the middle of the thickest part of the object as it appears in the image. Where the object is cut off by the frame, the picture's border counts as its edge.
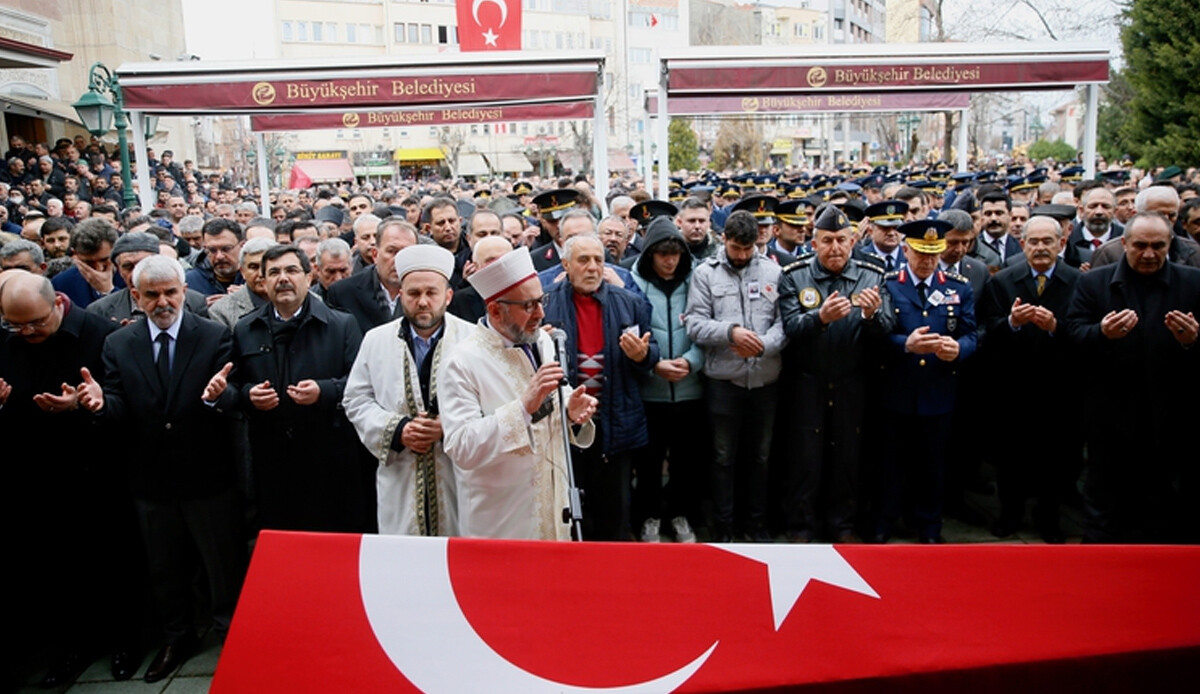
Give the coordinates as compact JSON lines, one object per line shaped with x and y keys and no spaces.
{"x":833,"y":307}
{"x":934,"y":332}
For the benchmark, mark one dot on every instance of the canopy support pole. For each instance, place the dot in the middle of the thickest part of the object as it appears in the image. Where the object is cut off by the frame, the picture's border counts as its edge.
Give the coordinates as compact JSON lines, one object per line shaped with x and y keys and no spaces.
{"x":146,"y":195}
{"x":662,"y":152}
{"x":963,"y":141}
{"x":1090,"y":124}
{"x":600,"y":146}
{"x":264,"y":183}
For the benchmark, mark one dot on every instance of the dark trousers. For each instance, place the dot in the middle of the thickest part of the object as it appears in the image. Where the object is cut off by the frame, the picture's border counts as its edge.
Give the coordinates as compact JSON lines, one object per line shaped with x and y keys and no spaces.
{"x":674,"y":435}
{"x":824,"y":455}
{"x":742,"y":422}
{"x":914,"y":464}
{"x":1041,"y":471}
{"x":605,"y":483}
{"x":1133,"y":492}
{"x":175,"y":533}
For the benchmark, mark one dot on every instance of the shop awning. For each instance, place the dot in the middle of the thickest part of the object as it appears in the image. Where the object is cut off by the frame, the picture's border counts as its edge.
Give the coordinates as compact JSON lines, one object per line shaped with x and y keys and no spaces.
{"x":39,"y":108}
{"x":471,"y":164}
{"x":309,"y":171}
{"x":418,"y":154}
{"x":19,"y":54}
{"x":512,"y":162}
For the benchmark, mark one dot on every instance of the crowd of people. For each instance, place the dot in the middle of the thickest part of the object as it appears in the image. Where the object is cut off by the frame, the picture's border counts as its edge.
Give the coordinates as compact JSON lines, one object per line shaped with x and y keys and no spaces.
{"x":794,"y":355}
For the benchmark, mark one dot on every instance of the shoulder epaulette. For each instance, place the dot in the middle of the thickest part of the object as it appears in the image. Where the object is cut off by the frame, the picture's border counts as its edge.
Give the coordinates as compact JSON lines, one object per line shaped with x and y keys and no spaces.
{"x":891,"y":275}
{"x":957,"y":277}
{"x":872,"y":266}
{"x":800,"y":262}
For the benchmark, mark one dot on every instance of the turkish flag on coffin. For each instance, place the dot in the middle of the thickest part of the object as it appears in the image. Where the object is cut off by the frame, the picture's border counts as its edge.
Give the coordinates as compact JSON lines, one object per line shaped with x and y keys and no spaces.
{"x":489,"y":25}
{"x":322,"y":613}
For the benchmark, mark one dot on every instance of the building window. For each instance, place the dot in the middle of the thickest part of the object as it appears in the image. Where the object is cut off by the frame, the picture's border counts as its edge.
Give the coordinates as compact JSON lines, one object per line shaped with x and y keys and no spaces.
{"x":287,"y":31}
{"x":331,"y":31}
{"x":301,"y":31}
{"x":398,"y":32}
{"x":414,"y":33}
{"x":317,"y":33}
{"x":364,"y":33}
{"x":426,"y":33}
{"x":351,"y":33}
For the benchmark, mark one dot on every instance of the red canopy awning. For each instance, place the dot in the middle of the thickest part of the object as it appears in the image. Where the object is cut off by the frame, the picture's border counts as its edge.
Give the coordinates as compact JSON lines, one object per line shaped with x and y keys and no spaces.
{"x":309,"y":171}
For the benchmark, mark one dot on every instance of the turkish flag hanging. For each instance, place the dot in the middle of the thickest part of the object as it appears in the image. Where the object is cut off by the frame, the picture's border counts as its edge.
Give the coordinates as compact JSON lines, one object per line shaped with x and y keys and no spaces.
{"x":489,"y":25}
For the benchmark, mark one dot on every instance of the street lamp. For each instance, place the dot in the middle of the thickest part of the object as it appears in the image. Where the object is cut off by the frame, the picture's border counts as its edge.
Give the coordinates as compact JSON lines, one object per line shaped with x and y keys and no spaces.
{"x":97,"y":111}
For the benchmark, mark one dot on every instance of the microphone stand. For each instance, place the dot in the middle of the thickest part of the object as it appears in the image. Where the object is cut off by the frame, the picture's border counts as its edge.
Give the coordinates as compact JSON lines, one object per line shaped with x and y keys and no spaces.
{"x":573,"y":513}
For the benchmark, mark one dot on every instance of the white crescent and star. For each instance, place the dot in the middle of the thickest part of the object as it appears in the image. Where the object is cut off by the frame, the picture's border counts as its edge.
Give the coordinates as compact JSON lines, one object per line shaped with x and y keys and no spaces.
{"x":489,"y":37}
{"x":410,"y":603}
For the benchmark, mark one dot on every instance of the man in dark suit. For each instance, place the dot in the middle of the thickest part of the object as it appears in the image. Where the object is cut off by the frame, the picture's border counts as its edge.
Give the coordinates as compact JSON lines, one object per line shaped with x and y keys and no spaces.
{"x":959,"y":240}
{"x":466,"y":302}
{"x":293,"y":355}
{"x":373,"y":295}
{"x":995,"y":245}
{"x":70,"y":507}
{"x":1135,"y":321}
{"x":1096,"y":225}
{"x":181,"y":465}
{"x":1024,"y":309}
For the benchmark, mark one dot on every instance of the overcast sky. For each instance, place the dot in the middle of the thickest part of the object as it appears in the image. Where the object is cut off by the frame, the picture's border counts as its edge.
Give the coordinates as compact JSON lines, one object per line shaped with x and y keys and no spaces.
{"x":229,"y":29}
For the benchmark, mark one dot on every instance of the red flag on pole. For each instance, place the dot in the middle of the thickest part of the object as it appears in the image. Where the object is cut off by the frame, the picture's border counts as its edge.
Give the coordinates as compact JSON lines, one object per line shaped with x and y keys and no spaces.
{"x":489,"y":25}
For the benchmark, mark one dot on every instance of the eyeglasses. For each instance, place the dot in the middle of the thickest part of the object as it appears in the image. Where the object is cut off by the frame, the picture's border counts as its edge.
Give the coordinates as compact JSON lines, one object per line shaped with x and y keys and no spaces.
{"x":22,"y":327}
{"x":223,"y":250}
{"x":526,"y":306}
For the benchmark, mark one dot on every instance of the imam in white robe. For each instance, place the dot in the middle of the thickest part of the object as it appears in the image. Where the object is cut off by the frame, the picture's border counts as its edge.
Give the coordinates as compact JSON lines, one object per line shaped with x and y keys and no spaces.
{"x":512,"y":479}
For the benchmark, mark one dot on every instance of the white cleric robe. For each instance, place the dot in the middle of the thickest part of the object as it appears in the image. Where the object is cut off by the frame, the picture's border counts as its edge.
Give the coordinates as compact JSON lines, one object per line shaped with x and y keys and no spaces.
{"x":512,"y":479}
{"x":375,"y":403}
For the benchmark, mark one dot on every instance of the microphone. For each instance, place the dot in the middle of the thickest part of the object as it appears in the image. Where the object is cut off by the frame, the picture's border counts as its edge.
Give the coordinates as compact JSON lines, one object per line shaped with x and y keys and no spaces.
{"x":560,"y":350}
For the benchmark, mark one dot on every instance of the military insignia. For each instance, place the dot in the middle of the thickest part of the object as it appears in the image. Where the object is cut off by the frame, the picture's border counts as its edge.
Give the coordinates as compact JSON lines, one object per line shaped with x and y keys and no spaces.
{"x":936,"y":298}
{"x":810,"y":297}
{"x":891,"y":210}
{"x":951,"y":324}
{"x":854,"y":299}
{"x":931,"y":234}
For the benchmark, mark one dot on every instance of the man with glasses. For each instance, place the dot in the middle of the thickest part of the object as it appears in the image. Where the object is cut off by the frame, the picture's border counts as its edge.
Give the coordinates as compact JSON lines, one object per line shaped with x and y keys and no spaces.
{"x":74,"y":512}
{"x":499,"y":409}
{"x":218,"y":268}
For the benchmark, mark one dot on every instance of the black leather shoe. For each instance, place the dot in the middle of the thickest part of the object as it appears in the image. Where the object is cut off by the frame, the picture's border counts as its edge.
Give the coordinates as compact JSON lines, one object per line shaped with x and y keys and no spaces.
{"x":1053,"y":536}
{"x":65,"y":670}
{"x":170,"y":658}
{"x":935,"y":540}
{"x":125,"y":664}
{"x":1005,"y":527}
